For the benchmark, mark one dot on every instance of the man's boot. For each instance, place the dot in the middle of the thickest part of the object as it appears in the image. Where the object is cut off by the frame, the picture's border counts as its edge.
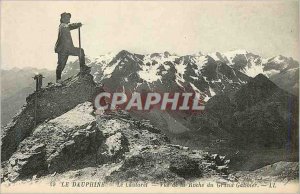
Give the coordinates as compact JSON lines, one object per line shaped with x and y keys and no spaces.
{"x":58,"y":77}
{"x":85,"y":69}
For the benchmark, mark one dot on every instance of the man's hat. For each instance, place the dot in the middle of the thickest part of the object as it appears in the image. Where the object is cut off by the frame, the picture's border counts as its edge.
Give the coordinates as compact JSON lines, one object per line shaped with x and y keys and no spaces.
{"x":65,"y":14}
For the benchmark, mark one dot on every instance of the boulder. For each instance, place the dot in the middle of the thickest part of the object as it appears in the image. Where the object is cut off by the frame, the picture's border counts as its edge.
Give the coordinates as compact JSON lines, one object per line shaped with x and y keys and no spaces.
{"x":113,"y":148}
{"x":185,"y":167}
{"x":24,"y":165}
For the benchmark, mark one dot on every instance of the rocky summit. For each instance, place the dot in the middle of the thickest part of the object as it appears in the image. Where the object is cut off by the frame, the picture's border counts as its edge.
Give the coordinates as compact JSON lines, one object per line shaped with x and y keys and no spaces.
{"x":128,"y":149}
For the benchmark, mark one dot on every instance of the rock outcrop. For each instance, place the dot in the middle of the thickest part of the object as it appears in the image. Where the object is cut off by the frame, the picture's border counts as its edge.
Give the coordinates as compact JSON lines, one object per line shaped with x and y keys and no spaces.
{"x":79,"y":139}
{"x":51,"y":102}
{"x":278,"y":172}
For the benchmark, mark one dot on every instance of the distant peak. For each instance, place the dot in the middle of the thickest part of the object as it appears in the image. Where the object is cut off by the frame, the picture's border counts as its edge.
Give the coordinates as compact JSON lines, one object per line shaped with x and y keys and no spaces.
{"x":278,"y":59}
{"x":167,"y":54}
{"x":154,"y":55}
{"x":124,"y":52}
{"x":260,"y":78}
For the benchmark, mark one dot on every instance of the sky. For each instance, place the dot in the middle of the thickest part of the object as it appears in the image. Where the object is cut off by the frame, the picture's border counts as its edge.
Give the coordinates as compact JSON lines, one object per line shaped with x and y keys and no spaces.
{"x":29,"y":28}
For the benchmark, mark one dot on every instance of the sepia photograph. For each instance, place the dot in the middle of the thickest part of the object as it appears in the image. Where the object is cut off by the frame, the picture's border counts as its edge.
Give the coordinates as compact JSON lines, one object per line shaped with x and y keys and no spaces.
{"x":149,"y":96}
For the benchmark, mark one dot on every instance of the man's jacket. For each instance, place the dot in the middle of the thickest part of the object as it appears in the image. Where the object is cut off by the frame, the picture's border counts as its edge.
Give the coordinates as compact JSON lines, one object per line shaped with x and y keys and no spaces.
{"x":64,"y":41}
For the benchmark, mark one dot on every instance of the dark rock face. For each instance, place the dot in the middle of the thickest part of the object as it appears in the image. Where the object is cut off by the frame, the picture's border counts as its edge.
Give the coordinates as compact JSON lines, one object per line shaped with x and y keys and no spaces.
{"x":262,"y":125}
{"x":52,"y":102}
{"x":210,"y":69}
{"x":30,"y":163}
{"x":266,"y":114}
{"x":185,"y":167}
{"x":258,"y":89}
{"x":259,"y":118}
{"x":240,"y":62}
{"x":221,"y":107}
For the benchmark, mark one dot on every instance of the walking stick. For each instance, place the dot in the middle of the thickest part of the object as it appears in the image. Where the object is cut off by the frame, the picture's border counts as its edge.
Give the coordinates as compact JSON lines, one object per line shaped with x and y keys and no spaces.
{"x":35,"y":109}
{"x":79,"y":45}
{"x":39,"y":83}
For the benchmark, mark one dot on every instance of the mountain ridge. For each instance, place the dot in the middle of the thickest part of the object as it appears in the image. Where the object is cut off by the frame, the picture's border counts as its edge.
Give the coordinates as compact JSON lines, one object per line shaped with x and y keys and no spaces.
{"x":157,"y":66}
{"x":245,"y":62}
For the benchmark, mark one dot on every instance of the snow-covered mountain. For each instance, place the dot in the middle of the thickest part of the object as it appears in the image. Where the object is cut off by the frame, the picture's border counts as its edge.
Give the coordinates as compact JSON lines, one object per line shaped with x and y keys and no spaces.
{"x":252,"y":64}
{"x":214,"y":73}
{"x":164,"y":72}
{"x":283,"y":71}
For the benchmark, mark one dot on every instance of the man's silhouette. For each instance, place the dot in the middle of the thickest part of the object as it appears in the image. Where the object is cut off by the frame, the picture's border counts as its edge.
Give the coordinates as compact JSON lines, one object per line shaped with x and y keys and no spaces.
{"x":64,"y":46}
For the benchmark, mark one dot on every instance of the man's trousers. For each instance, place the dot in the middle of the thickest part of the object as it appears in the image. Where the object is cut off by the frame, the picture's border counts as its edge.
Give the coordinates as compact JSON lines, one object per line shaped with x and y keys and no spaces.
{"x":63,"y":58}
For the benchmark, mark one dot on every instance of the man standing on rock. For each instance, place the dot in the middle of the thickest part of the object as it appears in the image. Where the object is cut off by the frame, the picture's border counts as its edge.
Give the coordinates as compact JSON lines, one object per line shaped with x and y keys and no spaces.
{"x":64,"y":46}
